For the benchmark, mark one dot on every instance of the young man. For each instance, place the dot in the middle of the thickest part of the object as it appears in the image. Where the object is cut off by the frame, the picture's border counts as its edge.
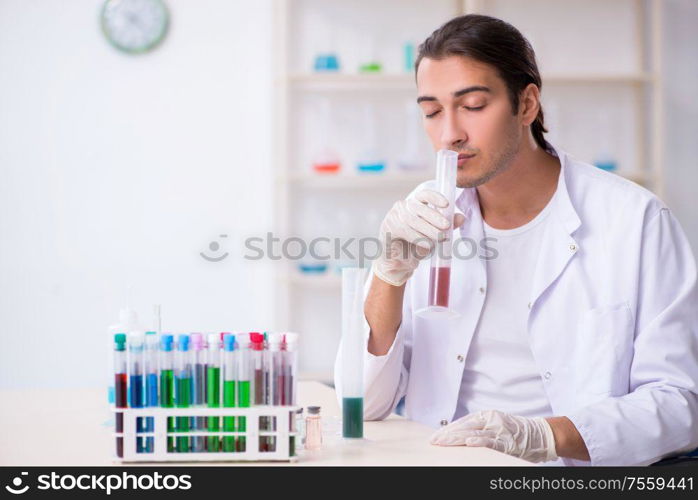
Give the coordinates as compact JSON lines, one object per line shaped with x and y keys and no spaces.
{"x":577,"y":338}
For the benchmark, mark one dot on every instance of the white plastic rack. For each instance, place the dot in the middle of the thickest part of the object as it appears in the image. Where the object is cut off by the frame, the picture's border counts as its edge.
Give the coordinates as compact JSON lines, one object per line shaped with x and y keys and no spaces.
{"x":279,"y":444}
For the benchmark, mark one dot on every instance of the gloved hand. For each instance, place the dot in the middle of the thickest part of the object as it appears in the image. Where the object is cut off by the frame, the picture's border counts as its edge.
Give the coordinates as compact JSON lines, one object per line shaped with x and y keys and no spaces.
{"x":408,"y":233}
{"x":528,"y":438}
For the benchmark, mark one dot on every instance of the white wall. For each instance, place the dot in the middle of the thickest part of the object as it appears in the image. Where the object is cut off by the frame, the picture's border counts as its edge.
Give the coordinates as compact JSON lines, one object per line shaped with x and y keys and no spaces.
{"x":118,"y":170}
{"x":680,"y":73}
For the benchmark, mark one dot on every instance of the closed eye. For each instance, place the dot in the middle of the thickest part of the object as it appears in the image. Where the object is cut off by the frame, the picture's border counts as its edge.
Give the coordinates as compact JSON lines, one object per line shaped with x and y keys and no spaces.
{"x":478,"y":108}
{"x":432,"y":115}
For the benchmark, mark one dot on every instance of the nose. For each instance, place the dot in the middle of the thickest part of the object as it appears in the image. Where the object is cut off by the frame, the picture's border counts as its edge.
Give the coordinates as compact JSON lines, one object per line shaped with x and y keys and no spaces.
{"x":453,"y":136}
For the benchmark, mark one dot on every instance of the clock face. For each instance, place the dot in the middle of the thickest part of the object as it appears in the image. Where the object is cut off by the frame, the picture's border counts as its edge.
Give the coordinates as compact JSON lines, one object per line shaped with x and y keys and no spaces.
{"x":134,"y":26}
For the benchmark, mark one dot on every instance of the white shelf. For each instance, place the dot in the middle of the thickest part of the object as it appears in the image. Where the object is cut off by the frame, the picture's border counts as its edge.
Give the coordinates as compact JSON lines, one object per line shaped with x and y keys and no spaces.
{"x":368,"y":180}
{"x":601,"y":79}
{"x":304,"y":301}
{"x":329,"y":280}
{"x":386,"y":81}
{"x":385,"y":181}
{"x":352,"y":81}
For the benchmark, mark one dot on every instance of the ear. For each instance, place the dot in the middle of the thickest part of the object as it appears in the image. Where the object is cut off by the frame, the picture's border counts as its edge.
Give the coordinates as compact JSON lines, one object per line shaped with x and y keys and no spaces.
{"x":529,"y":103}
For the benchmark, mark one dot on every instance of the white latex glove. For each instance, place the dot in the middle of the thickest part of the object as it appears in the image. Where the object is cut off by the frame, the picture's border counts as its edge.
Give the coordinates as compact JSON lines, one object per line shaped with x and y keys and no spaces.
{"x":528,"y":438}
{"x":408,"y":233}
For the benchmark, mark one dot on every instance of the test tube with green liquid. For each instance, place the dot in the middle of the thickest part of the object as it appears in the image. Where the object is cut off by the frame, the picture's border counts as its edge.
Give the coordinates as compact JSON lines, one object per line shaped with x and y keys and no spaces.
{"x":353,"y":348}
{"x":183,"y":383}
{"x":244,"y":385}
{"x":198,"y":385}
{"x":213,"y":389}
{"x":167,"y":382}
{"x":229,"y":392}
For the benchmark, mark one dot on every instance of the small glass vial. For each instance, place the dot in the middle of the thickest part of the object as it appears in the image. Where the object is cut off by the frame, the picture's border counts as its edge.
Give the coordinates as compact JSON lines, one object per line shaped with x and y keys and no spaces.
{"x":313,"y":429}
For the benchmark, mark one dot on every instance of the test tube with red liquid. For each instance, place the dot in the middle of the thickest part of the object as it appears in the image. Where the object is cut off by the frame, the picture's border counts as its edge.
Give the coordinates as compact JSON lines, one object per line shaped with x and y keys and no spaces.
{"x":440,"y":272}
{"x":120,"y":386}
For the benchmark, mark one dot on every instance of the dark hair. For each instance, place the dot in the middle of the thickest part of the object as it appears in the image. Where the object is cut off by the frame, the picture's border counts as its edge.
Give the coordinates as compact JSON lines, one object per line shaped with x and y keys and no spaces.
{"x":494,"y":42}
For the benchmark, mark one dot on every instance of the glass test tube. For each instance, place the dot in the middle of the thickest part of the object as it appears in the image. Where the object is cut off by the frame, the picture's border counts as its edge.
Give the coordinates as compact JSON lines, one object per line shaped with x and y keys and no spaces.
{"x":198,"y":396}
{"x":353,"y":347}
{"x":257,"y":367}
{"x":150,"y":368}
{"x":289,"y":362}
{"x":229,"y":388}
{"x":257,"y":347}
{"x":440,"y":272}
{"x":213,"y":389}
{"x":273,"y":356}
{"x":289,"y":366}
{"x":167,"y":382}
{"x":244,"y":384}
{"x":120,"y":385}
{"x":135,"y":382}
{"x":272,"y":369}
{"x":183,"y":389}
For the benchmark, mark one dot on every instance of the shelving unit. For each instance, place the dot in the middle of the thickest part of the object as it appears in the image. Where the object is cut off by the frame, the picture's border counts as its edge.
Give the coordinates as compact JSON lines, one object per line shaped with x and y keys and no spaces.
{"x":631,"y":91}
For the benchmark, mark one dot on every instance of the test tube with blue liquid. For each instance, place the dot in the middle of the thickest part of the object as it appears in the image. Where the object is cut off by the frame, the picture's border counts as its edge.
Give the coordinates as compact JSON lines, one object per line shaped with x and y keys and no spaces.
{"x":136,"y":383}
{"x":150,"y":367}
{"x":353,"y":348}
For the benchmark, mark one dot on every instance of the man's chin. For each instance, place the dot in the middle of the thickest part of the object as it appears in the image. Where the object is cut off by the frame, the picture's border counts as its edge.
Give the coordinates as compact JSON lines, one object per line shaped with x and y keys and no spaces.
{"x":470,"y":181}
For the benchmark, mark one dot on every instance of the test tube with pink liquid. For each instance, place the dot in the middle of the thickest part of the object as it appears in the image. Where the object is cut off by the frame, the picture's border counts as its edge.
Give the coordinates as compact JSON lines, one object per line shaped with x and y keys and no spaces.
{"x":440,"y":272}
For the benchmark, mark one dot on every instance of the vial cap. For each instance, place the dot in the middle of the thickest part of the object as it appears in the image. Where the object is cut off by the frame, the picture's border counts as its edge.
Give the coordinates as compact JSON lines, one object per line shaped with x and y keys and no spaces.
{"x":166,"y":341}
{"x":183,"y":342}
{"x":197,"y":341}
{"x":120,"y":342}
{"x":229,"y":342}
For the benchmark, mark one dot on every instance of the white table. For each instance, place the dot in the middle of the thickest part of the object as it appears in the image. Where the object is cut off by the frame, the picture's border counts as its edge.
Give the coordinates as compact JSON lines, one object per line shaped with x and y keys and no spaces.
{"x":68,"y":427}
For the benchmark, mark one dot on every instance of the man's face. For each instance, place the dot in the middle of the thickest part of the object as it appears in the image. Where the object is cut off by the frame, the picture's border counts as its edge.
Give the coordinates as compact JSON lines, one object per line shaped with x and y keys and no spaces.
{"x":466,"y":109}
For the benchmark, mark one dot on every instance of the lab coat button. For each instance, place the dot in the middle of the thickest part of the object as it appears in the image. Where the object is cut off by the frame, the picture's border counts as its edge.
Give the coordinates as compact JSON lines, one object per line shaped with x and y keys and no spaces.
{"x":529,"y":305}
{"x":482,"y":289}
{"x":573,"y":247}
{"x":460,"y":358}
{"x":547,"y":375}
{"x":444,"y":422}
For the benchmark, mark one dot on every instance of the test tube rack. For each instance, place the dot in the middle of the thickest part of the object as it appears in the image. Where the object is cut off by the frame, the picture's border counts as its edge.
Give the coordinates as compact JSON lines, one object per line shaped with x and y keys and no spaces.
{"x":285,"y":439}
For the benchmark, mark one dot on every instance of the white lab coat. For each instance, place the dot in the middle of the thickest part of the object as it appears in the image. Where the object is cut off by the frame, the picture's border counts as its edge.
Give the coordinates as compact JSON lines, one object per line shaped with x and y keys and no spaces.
{"x":613,"y":324}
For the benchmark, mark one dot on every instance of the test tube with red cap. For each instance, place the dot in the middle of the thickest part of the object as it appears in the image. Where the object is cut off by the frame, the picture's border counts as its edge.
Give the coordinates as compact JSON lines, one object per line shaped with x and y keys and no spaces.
{"x":257,"y":366}
{"x":257,"y":348}
{"x":440,"y":272}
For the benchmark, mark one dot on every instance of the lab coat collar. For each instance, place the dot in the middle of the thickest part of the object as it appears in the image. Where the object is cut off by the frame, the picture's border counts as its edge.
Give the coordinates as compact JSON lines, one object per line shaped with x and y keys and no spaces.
{"x":468,"y":203}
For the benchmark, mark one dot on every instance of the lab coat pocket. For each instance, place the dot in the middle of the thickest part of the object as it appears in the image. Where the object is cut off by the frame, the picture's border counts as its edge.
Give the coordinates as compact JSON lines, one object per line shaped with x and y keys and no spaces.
{"x":604,"y":351}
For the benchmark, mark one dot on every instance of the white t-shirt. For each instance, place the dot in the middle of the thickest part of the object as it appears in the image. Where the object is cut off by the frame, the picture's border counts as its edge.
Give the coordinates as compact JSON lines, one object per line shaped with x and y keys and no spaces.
{"x":499,"y":372}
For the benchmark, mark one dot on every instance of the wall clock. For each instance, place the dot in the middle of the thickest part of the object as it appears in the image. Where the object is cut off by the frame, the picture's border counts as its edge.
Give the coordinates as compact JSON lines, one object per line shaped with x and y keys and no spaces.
{"x":134,"y":26}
